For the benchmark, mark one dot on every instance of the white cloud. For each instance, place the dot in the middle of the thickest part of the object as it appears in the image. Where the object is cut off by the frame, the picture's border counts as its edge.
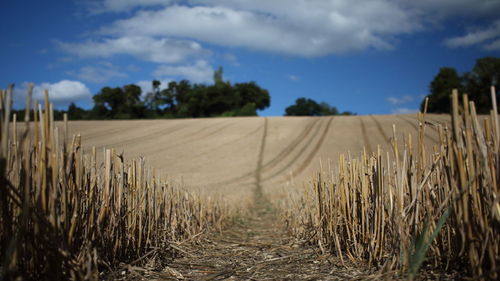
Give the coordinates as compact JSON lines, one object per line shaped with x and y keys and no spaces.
{"x":400,"y":100}
{"x":493,"y":46}
{"x":404,"y":111}
{"x":146,"y":48}
{"x":292,"y":77}
{"x":98,"y":73}
{"x":122,"y":5}
{"x":61,"y":93}
{"x":442,"y":9}
{"x":230,"y":58}
{"x":304,"y":28}
{"x":198,"y":72}
{"x":477,"y":37}
{"x":151,"y":29}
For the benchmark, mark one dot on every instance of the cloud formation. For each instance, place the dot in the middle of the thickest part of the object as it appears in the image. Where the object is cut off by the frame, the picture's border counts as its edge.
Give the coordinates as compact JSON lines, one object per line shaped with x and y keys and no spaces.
{"x":173,"y":32}
{"x":61,"y":93}
{"x":305,"y":28}
{"x":158,"y":50}
{"x":404,"y":111}
{"x":117,"y":6}
{"x":98,"y":73}
{"x":198,"y":72}
{"x":400,"y":100}
{"x":488,"y":38}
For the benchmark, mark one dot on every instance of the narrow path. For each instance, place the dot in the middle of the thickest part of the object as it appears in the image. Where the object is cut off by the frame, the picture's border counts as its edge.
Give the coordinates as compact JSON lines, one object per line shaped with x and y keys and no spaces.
{"x":255,"y":247}
{"x":364,"y":133}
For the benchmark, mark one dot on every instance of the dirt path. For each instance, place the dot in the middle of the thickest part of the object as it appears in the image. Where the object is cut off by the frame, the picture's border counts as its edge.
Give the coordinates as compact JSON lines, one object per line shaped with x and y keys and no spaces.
{"x":255,"y":247}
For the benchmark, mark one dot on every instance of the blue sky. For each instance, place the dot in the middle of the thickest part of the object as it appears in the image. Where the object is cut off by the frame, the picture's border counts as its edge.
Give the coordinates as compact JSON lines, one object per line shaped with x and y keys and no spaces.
{"x":365,"y":56}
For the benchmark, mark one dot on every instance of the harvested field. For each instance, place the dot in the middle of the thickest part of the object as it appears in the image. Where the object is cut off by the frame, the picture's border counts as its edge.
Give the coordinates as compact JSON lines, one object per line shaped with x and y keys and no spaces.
{"x":276,"y":198}
{"x":221,"y":154}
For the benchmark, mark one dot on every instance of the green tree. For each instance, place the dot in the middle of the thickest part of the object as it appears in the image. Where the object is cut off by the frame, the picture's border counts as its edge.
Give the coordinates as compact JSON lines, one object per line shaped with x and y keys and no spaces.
{"x":153,"y":99}
{"x":440,"y":89}
{"x":76,"y":113}
{"x":119,"y":103}
{"x":486,"y":73}
{"x":309,"y":107}
{"x":327,"y":109}
{"x":251,"y":93}
{"x":218,"y":75}
{"x":304,"y":107}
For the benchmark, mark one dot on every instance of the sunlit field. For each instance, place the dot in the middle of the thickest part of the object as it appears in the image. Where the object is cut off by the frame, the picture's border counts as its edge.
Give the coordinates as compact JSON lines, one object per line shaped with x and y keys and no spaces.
{"x":396,"y":195}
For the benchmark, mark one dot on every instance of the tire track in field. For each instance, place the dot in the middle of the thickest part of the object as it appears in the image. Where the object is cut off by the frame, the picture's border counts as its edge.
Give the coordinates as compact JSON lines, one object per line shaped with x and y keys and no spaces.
{"x":314,"y":151}
{"x":259,"y":197}
{"x":276,"y":160}
{"x":144,"y":138}
{"x":306,"y":145}
{"x":253,"y":132}
{"x":412,"y":123}
{"x":381,"y":130}
{"x":306,"y":133}
{"x":366,"y":140}
{"x":194,"y":137}
{"x":140,"y":137}
{"x":99,"y":133}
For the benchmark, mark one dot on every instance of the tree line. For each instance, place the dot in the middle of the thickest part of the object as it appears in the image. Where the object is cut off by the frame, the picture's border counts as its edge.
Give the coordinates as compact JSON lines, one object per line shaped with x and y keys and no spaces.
{"x":476,"y":83}
{"x":178,"y":100}
{"x":309,"y":107}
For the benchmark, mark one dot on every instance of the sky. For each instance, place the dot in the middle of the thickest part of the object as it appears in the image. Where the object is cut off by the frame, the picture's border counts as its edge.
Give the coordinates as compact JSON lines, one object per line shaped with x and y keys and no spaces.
{"x":363,"y":56}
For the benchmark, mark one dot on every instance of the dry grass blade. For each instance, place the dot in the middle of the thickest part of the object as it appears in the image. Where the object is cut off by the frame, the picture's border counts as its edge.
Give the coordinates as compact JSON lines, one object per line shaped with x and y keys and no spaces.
{"x":65,"y":216}
{"x":372,"y":210}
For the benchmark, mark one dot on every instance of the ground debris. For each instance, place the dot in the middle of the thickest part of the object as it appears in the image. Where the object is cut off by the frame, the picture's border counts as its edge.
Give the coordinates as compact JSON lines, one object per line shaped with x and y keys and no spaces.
{"x":254,"y":248}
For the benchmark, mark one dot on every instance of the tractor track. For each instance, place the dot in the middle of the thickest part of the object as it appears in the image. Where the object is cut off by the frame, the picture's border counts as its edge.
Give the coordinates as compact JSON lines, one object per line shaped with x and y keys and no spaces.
{"x":140,"y":137}
{"x":258,"y":170}
{"x":387,"y":138}
{"x":276,"y":160}
{"x":212,"y":149}
{"x":366,"y":140}
{"x":303,"y":149}
{"x":148,"y":137}
{"x":194,"y":137}
{"x":315,"y":150}
{"x":381,"y":130}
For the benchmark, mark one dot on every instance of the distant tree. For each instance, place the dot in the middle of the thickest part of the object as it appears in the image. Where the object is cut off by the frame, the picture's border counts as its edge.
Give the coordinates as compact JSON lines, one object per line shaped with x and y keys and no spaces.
{"x":181,"y":99}
{"x":309,"y":107}
{"x":440,"y":89}
{"x":486,"y":73}
{"x":476,"y":84}
{"x":218,"y":75}
{"x":252,"y":93}
{"x":304,"y":107}
{"x":327,"y":109}
{"x":153,"y":100}
{"x":119,"y":103}
{"x":76,"y":113}
{"x":347,"y":113}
